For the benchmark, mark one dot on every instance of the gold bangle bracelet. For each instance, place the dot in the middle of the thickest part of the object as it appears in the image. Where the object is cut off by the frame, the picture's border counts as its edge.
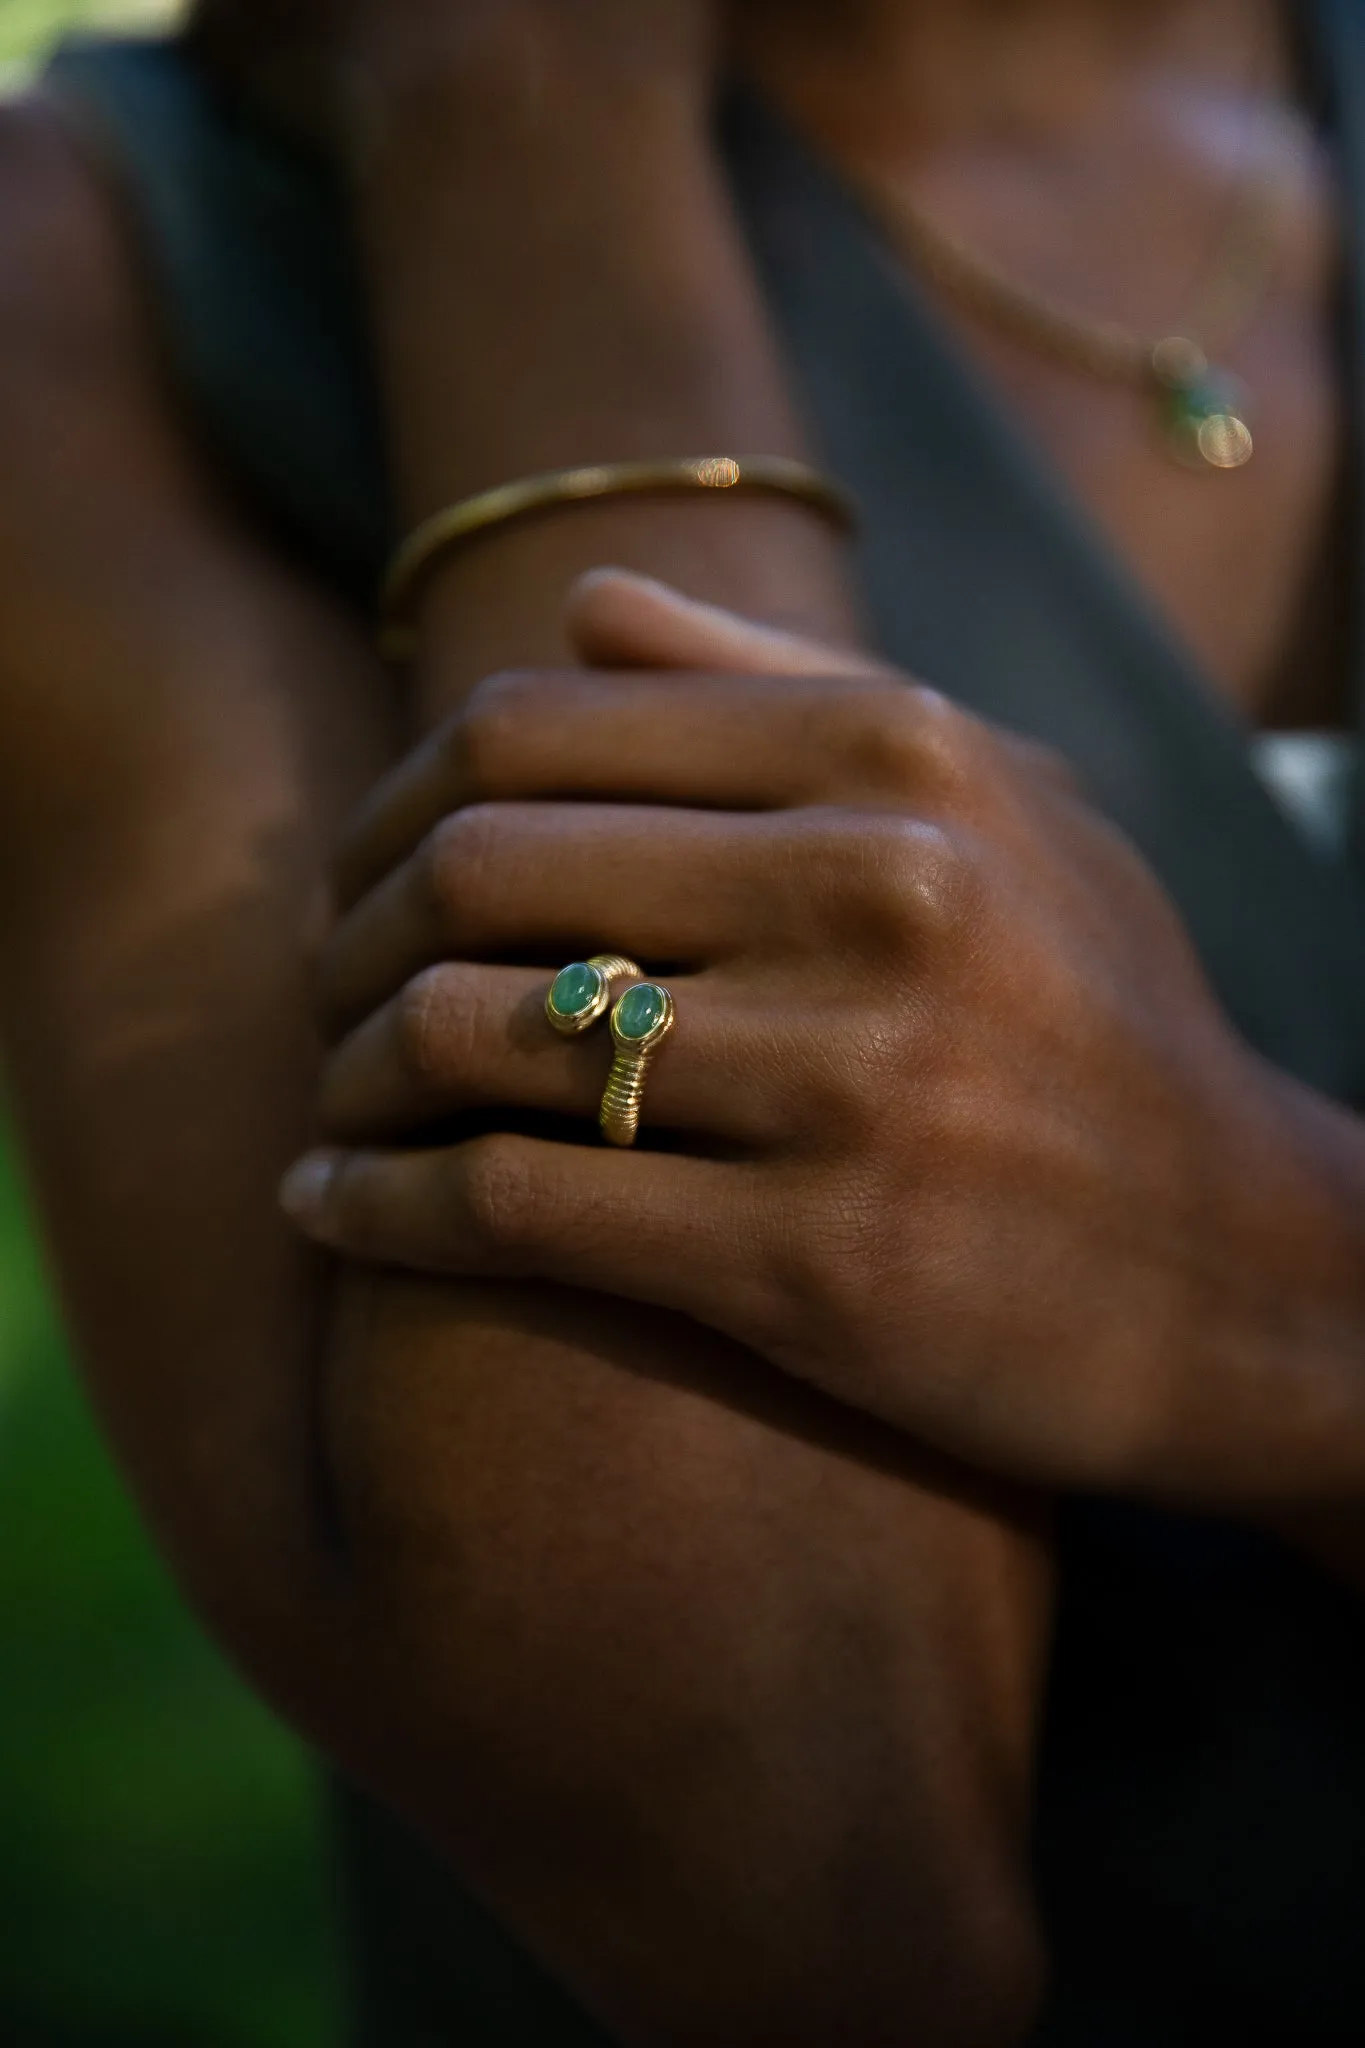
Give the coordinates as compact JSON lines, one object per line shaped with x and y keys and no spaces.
{"x":767,"y":475}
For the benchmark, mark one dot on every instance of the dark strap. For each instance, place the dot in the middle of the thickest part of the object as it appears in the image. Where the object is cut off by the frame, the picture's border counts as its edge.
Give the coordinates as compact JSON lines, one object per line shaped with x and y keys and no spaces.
{"x":984,"y":579}
{"x":255,"y":285}
{"x":1208,"y":1689}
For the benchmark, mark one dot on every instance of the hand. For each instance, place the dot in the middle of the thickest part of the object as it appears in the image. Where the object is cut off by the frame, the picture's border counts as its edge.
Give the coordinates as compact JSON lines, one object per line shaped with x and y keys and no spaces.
{"x":956,"y":1129}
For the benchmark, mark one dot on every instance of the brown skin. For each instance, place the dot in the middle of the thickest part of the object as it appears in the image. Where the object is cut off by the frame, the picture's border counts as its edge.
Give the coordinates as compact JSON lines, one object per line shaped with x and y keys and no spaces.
{"x":723,"y":1697}
{"x":783,"y":1646}
{"x":527,"y":1447}
{"x":963,"y":1138}
{"x":1208,"y":1210}
{"x":1093,"y":150}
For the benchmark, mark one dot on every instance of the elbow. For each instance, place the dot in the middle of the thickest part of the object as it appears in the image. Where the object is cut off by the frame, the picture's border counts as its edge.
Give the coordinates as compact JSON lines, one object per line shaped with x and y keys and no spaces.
{"x":987,"y":1987}
{"x":941,"y":1932}
{"x":966,"y":1971}
{"x":972,"y":1976}
{"x":957,"y":1964}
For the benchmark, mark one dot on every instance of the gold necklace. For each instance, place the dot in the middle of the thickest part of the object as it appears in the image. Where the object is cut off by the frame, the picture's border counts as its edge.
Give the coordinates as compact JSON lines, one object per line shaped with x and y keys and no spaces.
{"x":1202,"y":408}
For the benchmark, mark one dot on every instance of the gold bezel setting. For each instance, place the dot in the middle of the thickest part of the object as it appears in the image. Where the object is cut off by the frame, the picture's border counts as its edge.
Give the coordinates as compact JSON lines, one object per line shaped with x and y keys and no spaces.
{"x":605,"y":969}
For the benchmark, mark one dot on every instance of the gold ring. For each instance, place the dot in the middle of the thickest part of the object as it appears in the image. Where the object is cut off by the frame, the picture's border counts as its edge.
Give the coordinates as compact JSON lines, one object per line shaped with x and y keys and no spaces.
{"x":581,"y":993}
{"x":640,"y":1023}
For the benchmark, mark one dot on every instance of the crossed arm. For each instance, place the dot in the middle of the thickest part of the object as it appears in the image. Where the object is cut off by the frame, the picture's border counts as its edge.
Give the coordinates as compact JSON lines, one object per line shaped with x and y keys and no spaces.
{"x":724,"y":1698}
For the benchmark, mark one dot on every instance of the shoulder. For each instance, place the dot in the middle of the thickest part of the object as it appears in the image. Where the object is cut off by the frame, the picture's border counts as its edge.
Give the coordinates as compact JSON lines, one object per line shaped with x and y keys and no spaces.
{"x":77,"y":379}
{"x":65,"y":274}
{"x":150,"y":641}
{"x":83,"y":427}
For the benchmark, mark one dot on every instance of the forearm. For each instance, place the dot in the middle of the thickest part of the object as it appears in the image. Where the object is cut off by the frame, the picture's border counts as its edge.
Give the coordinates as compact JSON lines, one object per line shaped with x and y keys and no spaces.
{"x":784,"y":1680}
{"x":1261,"y":1413}
{"x":728,"y":1711}
{"x":726,"y":1706}
{"x":165,"y":805}
{"x":701,"y":1693}
{"x":559,"y":281}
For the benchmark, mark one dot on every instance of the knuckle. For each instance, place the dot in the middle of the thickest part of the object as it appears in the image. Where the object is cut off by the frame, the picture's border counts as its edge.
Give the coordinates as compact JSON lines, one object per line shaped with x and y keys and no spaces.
{"x":432,"y":1026}
{"x":501,"y":1209}
{"x":948,"y":743}
{"x":903,"y":738}
{"x":1045,"y":764}
{"x":359,"y":1209}
{"x":872,"y":738}
{"x":487,"y":740}
{"x":827,"y":1259}
{"x":914,"y":880}
{"x":936,"y":878}
{"x":457,"y":857}
{"x":838,"y":1101}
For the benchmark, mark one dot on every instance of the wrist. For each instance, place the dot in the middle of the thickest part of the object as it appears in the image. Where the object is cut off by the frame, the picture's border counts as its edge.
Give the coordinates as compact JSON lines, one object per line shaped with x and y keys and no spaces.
{"x":1321,"y":1282}
{"x":1267,"y":1409}
{"x":590,"y":264}
{"x":512,"y":74}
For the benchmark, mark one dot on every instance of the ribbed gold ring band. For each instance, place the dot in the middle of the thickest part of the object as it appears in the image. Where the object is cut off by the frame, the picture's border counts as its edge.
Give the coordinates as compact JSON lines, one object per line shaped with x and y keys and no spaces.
{"x":641,"y":1021}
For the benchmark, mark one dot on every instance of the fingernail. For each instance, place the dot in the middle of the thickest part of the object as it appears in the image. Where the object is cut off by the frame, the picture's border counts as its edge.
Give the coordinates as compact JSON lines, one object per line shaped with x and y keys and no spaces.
{"x":305,"y":1188}
{"x":607,"y":572}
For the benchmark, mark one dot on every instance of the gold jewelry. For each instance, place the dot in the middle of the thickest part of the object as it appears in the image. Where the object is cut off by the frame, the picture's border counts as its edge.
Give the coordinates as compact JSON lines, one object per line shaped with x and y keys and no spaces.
{"x":772,"y":475}
{"x":640,"y":1023}
{"x":581,"y":993}
{"x":1202,"y":407}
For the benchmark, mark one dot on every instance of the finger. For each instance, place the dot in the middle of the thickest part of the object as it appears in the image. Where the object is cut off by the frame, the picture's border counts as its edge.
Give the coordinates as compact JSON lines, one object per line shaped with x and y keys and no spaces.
{"x":557,"y":882}
{"x":878,"y":715}
{"x":617,"y":619}
{"x":677,"y":1233}
{"x":877,"y":719}
{"x":399,"y":811}
{"x":1043,"y":765}
{"x":462,"y":1038}
{"x":723,"y":742}
{"x":713,"y":741}
{"x":509,"y":740}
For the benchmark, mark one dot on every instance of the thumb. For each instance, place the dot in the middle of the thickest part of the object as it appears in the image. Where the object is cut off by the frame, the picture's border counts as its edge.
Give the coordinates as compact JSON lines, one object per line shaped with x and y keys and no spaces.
{"x":617,"y":619}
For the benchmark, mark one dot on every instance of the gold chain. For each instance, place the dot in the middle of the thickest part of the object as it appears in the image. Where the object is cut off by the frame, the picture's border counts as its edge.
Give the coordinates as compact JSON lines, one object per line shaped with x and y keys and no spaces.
{"x":1204,"y":407}
{"x":1233,"y":288}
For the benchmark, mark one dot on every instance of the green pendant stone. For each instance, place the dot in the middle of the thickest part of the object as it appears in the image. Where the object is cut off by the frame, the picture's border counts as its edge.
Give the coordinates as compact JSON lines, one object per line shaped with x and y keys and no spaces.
{"x":576,"y":990}
{"x":640,"y":1012}
{"x":1204,"y":416}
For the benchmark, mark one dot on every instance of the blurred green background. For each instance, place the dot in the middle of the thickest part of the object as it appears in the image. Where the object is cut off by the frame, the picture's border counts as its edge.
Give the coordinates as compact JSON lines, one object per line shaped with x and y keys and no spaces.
{"x":160,"y":1883}
{"x":28,"y":27}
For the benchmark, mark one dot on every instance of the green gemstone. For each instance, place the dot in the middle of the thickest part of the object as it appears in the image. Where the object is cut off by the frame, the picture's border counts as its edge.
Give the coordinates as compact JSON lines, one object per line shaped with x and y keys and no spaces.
{"x":1195,"y":402}
{"x":640,"y":1012}
{"x":1189,"y":405}
{"x":1206,"y":423}
{"x":576,"y":990}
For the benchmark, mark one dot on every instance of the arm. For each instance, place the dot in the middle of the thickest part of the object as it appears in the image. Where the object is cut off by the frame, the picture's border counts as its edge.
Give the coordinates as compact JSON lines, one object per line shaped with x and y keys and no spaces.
{"x":1235,"y":1221}
{"x":658,"y":343}
{"x":727,"y":1705}
{"x":1250,"y":1400}
{"x":935,"y":1018}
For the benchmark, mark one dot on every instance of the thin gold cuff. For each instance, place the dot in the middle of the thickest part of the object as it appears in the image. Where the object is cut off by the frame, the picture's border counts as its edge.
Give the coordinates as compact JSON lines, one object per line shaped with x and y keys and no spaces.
{"x":772,"y":475}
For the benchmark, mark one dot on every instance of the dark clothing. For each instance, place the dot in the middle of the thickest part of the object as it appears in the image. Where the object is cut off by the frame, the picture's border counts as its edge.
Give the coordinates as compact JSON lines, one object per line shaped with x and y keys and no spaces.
{"x":1201,"y":1822}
